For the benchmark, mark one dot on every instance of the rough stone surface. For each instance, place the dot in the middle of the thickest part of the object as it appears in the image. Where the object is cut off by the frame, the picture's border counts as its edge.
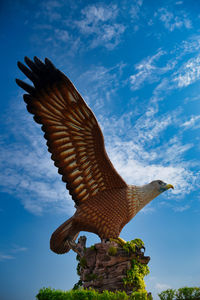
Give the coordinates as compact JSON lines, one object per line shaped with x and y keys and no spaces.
{"x":101,"y":270}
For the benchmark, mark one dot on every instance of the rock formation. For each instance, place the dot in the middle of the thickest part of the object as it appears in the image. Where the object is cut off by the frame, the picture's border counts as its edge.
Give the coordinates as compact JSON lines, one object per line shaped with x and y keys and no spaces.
{"x":111,"y":266}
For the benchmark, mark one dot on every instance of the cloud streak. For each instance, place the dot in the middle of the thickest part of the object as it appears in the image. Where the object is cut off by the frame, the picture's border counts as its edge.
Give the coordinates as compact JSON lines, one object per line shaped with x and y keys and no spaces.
{"x":14,"y":250}
{"x":193,"y":122}
{"x":98,"y":22}
{"x":172,"y":21}
{"x":188,"y":73}
{"x":4,"y":257}
{"x":148,"y":71}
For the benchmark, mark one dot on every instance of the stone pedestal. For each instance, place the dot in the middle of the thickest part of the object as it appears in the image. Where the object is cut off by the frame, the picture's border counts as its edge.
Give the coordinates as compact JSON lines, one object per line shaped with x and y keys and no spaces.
{"x":104,"y":266}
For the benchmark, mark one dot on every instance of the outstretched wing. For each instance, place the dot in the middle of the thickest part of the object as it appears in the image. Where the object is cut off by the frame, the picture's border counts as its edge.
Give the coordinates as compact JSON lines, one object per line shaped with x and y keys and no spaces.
{"x":73,"y":135}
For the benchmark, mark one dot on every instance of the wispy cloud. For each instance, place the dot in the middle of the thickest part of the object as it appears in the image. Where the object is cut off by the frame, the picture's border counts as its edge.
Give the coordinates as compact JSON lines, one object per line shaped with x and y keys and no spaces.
{"x":182,"y":71}
{"x":50,"y":10}
{"x":4,"y":257}
{"x":13,"y":250}
{"x":188,"y":73}
{"x":79,"y":30}
{"x":17,"y":249}
{"x":140,"y":171}
{"x":161,"y":286}
{"x":172,"y":21}
{"x":193,"y":122}
{"x":148,"y":71}
{"x":189,"y":46}
{"x":139,"y":163}
{"x":100,"y":84}
{"x":181,"y":208}
{"x":135,"y":9}
{"x":98,"y":22}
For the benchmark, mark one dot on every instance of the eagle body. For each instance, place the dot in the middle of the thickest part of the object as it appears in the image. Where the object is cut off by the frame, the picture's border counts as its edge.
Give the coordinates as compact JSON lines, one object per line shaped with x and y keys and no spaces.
{"x":104,"y":202}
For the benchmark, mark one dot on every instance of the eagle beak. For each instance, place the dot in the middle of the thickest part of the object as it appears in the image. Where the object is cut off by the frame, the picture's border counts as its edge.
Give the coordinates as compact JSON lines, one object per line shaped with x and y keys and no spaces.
{"x":169,"y":186}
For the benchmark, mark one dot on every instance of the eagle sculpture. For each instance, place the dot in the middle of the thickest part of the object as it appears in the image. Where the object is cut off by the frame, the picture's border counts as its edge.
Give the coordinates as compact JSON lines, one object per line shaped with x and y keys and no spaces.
{"x":104,"y":202}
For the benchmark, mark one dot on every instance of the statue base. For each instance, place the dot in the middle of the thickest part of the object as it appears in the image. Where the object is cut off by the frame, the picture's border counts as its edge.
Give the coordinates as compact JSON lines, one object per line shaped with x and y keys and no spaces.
{"x":111,"y":266}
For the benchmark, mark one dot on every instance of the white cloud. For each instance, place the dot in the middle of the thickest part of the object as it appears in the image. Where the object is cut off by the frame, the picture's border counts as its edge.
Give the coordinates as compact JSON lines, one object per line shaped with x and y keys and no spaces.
{"x":50,"y":10}
{"x":192,"y":122}
{"x":171,"y":21}
{"x":188,"y":73}
{"x":135,"y":9}
{"x":17,"y":249}
{"x":181,"y":208}
{"x":138,"y":171}
{"x":162,"y":286}
{"x":148,"y":71}
{"x":138,"y":162}
{"x":100,"y":83}
{"x":148,"y":209}
{"x":148,"y":127}
{"x":4,"y":257}
{"x":182,"y":73}
{"x":62,"y":35}
{"x":14,"y":249}
{"x":98,"y":22}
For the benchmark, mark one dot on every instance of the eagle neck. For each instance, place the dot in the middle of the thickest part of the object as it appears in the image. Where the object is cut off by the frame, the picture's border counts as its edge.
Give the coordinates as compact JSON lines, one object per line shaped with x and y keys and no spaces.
{"x":133,"y":199}
{"x":138,"y":197}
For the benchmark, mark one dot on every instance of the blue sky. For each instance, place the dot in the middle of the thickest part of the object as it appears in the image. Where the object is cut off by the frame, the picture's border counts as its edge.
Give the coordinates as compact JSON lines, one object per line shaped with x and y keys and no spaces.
{"x":137,"y":64}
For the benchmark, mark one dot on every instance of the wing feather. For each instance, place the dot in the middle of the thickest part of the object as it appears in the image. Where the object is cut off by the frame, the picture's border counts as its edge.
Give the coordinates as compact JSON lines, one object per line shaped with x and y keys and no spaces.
{"x":73,"y":135}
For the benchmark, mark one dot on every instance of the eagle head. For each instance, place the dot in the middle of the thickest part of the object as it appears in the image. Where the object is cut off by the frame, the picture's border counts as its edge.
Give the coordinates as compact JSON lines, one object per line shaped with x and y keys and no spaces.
{"x":160,"y":186}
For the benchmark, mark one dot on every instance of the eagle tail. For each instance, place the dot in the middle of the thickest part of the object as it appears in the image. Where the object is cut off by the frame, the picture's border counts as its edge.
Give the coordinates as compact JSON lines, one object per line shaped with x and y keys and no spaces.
{"x":65,"y":232}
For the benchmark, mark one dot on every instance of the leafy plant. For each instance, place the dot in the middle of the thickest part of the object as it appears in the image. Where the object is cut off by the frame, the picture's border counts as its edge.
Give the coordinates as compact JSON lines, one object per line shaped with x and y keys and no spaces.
{"x":91,"y":276}
{"x":132,"y":245}
{"x":185,"y":293}
{"x":135,"y":276}
{"x":84,"y":294}
{"x":112,"y":251}
{"x":169,"y":294}
{"x":188,"y":293}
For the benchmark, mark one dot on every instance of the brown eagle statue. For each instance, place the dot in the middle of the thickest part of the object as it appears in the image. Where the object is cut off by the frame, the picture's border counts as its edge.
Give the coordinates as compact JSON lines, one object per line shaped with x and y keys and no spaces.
{"x":104,"y":202}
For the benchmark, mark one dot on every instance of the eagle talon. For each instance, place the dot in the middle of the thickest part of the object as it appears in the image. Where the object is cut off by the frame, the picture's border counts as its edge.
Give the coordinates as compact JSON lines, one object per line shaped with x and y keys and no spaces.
{"x":119,"y":241}
{"x":105,"y":240}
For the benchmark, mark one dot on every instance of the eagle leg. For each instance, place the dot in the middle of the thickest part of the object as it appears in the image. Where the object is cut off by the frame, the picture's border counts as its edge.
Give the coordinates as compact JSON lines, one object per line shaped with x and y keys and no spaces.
{"x":77,"y":247}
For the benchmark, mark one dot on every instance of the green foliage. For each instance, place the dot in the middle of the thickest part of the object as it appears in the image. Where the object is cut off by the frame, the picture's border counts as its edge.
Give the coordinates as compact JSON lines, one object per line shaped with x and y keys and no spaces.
{"x":112,"y":251}
{"x":78,"y":266}
{"x":140,"y":296}
{"x":135,"y":276}
{"x":91,"y":276}
{"x":82,"y":263}
{"x":92,"y":247}
{"x":185,"y":293}
{"x":167,"y":295}
{"x":188,"y":293}
{"x":131,"y":246}
{"x":78,"y":285}
{"x":84,"y":294}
